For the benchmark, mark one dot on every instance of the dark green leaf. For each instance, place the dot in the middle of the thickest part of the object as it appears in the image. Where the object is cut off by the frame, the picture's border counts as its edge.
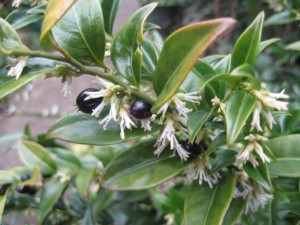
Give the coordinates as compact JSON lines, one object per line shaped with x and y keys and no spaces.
{"x":54,"y":12}
{"x":81,"y":32}
{"x":180,"y":52}
{"x":89,"y":218}
{"x":34,"y":154}
{"x":235,"y":209}
{"x":149,"y":56}
{"x":219,"y":141}
{"x":110,"y":9}
{"x":50,"y":195}
{"x":82,"y":128}
{"x":238,"y":109}
{"x":2,"y":205}
{"x":138,"y":168}
{"x":247,"y":46}
{"x":223,"y":158}
{"x":196,"y":122}
{"x":83,"y":179}
{"x":126,"y":43}
{"x":287,"y":152}
{"x":20,"y":18}
{"x":224,"y":65}
{"x":65,"y":159}
{"x":259,"y":174}
{"x":210,"y":59}
{"x":208,"y":206}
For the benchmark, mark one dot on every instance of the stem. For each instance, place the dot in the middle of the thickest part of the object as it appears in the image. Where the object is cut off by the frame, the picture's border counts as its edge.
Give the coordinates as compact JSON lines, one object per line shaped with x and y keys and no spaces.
{"x":83,"y":69}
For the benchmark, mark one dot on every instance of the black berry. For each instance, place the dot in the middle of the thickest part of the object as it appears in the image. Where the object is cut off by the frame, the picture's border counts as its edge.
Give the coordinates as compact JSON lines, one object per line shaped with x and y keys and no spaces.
{"x":25,"y":177}
{"x":3,"y":188}
{"x":26,"y":189}
{"x":194,"y":149}
{"x":87,"y":106}
{"x":140,"y":109}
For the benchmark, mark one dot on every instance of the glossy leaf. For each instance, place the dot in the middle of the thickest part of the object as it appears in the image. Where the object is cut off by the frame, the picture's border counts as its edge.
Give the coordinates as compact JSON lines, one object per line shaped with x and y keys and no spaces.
{"x":180,"y":52}
{"x":293,"y":46}
{"x":20,"y":18}
{"x":149,"y":56}
{"x":54,"y":12}
{"x":212,"y":58}
{"x":235,"y":209}
{"x":126,"y":44}
{"x":247,"y":46}
{"x":219,"y":141}
{"x":238,"y":109}
{"x":223,"y":158}
{"x":207,"y":206}
{"x":138,"y":168}
{"x":9,"y":38}
{"x":259,"y":174}
{"x":196,"y":122}
{"x":287,"y":152}
{"x":50,"y":194}
{"x":81,"y":32}
{"x":65,"y":159}
{"x":224,"y":65}
{"x":264,"y":44}
{"x":110,"y":9}
{"x":2,"y":205}
{"x":82,"y":128}
{"x":33,"y":154}
{"x":284,"y":17}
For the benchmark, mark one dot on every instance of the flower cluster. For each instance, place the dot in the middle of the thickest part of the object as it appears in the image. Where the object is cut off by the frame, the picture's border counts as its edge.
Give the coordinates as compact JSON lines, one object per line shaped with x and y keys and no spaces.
{"x":265,"y":101}
{"x":20,"y":63}
{"x":246,"y":154}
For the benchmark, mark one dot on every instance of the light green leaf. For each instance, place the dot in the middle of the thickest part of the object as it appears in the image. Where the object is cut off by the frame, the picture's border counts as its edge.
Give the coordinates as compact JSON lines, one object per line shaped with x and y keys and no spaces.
{"x":212,"y":58}
{"x":196,"y":122}
{"x":110,"y":8}
{"x":81,"y":32}
{"x":126,"y":43}
{"x":65,"y":159}
{"x":180,"y":52}
{"x":236,"y":208}
{"x":284,"y":17}
{"x":2,"y":205}
{"x":293,"y":46}
{"x":33,"y":154}
{"x":238,"y":109}
{"x":264,"y":44}
{"x":247,"y":46}
{"x":83,"y":179}
{"x":20,"y":18}
{"x":224,"y":65}
{"x":138,"y":168}
{"x":9,"y":38}
{"x":82,"y":128}
{"x":54,"y":12}
{"x":287,"y":152}
{"x":50,"y":194}
{"x":208,"y":206}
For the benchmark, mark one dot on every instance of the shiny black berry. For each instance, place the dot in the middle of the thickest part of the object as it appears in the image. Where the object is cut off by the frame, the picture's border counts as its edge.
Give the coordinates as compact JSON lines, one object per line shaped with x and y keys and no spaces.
{"x":26,"y":189}
{"x":140,"y":109}
{"x":194,"y":149}
{"x":3,"y":188}
{"x":87,"y":106}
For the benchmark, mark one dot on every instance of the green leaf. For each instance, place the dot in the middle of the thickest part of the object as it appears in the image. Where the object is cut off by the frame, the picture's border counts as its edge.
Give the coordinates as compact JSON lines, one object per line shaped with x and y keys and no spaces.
{"x":180,"y":52}
{"x":9,"y":38}
{"x":196,"y":122}
{"x":259,"y":174}
{"x":81,"y":32}
{"x":207,"y":206}
{"x":138,"y":168}
{"x":83,"y":179}
{"x":20,"y":18}
{"x":65,"y":159}
{"x":284,"y":17}
{"x":219,"y":141}
{"x":293,"y":46}
{"x":223,"y":158}
{"x":224,"y":65}
{"x":33,"y":154}
{"x":238,"y":109}
{"x":82,"y":128}
{"x":149,"y":56}
{"x":247,"y":46}
{"x":89,"y":217}
{"x":2,"y":204}
{"x":235,"y":209}
{"x":127,"y":42}
{"x":110,"y":9}
{"x":50,"y":195}
{"x":54,"y":12}
{"x":287,"y":152}
{"x":264,"y":44}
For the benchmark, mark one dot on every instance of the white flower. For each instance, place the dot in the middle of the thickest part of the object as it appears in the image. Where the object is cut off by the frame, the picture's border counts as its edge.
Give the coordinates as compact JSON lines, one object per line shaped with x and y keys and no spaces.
{"x":168,"y":136}
{"x":199,"y":171}
{"x":257,"y":198}
{"x":67,"y":86}
{"x":270,"y":99}
{"x":247,"y":153}
{"x":256,"y":118}
{"x":113,"y":112}
{"x":125,"y":122}
{"x":16,"y":3}
{"x":18,"y":69}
